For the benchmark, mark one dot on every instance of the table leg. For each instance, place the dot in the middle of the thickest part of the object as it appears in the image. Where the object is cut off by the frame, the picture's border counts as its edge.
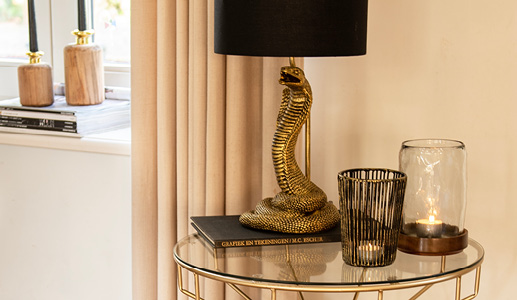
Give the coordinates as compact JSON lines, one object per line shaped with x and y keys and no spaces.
{"x":458,"y":288}
{"x":421,"y":292}
{"x":186,"y":292}
{"x":239,"y":291}
{"x":476,"y":285}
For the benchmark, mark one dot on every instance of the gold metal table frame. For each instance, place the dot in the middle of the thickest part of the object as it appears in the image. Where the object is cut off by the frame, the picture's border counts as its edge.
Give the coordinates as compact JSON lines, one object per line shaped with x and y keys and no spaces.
{"x":319,"y":268}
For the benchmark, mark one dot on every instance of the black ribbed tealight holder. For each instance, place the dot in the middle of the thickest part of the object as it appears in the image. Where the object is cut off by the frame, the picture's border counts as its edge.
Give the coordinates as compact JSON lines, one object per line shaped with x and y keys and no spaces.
{"x":371,"y":202}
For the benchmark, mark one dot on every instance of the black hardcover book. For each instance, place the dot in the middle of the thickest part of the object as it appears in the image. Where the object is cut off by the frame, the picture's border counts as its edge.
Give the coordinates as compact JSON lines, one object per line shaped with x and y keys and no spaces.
{"x":226,"y":231}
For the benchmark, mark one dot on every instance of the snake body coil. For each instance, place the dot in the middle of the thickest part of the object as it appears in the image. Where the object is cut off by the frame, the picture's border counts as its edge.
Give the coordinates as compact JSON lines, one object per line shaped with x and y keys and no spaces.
{"x":301,"y":206}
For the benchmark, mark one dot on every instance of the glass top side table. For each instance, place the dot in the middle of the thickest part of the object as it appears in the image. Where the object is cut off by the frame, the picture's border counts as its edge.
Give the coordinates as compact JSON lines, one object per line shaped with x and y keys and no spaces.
{"x":319,"y":268}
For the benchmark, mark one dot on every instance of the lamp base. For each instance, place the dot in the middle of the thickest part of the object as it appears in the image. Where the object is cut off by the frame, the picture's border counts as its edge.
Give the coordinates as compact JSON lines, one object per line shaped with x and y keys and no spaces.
{"x":433,"y":246}
{"x":301,"y":206}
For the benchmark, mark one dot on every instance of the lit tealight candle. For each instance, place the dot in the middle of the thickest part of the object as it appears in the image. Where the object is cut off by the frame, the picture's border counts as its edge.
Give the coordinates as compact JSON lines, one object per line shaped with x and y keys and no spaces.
{"x":429,"y":228}
{"x":368,"y":253}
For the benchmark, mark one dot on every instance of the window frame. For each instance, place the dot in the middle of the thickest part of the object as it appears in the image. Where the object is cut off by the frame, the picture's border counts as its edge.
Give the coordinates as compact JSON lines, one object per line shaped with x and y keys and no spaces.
{"x":56,"y":19}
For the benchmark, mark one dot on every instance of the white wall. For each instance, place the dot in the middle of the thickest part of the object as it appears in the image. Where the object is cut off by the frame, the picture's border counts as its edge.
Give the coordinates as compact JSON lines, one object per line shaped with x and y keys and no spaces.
{"x":442,"y":69}
{"x":65,"y":225}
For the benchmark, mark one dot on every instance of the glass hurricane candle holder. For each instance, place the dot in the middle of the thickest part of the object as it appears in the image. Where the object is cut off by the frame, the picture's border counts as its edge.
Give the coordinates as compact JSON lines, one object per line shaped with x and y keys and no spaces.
{"x":370,"y":202}
{"x":435,"y":201}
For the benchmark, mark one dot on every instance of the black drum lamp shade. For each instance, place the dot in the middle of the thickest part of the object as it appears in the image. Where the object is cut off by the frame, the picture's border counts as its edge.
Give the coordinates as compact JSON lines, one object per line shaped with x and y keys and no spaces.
{"x":290,"y":28}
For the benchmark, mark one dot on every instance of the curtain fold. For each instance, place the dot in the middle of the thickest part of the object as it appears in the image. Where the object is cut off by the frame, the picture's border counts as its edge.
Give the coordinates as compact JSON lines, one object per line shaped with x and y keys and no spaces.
{"x":202,"y":126}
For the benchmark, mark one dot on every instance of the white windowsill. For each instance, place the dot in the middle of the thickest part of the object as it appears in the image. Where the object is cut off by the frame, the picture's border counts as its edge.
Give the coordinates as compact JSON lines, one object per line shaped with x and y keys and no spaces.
{"x":116,"y":142}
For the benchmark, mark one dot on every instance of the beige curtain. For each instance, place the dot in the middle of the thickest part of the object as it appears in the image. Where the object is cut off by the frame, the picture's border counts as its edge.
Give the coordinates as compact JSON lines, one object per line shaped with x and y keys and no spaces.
{"x":202,"y":126}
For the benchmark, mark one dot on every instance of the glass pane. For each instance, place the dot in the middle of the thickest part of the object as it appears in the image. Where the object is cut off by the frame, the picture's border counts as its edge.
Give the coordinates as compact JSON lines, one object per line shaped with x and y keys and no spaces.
{"x":317,"y":266}
{"x":14,"y":29}
{"x":112,"y":29}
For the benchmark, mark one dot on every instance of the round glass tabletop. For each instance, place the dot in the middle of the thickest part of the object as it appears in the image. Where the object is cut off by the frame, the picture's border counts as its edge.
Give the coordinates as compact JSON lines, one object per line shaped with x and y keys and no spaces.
{"x":318,"y":264}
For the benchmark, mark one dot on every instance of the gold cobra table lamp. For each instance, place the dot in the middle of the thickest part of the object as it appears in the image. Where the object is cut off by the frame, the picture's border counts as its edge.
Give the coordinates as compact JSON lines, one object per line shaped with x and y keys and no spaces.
{"x":291,"y":28}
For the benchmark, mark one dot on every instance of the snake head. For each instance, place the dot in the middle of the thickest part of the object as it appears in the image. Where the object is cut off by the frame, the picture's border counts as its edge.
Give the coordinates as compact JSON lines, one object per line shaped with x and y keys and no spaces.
{"x":292,"y":77}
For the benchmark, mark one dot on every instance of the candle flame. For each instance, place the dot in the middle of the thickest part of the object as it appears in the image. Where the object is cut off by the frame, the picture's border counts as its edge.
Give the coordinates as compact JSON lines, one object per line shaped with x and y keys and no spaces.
{"x":431,"y":219}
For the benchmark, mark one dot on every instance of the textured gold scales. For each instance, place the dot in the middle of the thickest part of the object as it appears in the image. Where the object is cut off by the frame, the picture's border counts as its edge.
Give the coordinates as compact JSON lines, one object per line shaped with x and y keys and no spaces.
{"x":301,"y":206}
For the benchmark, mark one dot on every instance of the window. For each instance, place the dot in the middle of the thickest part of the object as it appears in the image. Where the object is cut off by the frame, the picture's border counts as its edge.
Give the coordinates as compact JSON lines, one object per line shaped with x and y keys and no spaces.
{"x":112,"y":27}
{"x":56,"y":19}
{"x":14,"y":33}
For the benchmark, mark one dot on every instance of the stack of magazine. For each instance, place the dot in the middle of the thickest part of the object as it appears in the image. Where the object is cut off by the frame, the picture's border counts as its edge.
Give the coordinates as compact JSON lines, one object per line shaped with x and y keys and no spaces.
{"x":63,"y":119}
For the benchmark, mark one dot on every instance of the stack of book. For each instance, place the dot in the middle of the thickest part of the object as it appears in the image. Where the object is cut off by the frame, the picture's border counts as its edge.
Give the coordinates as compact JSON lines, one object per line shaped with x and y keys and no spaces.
{"x":63,"y":119}
{"x":226,"y":231}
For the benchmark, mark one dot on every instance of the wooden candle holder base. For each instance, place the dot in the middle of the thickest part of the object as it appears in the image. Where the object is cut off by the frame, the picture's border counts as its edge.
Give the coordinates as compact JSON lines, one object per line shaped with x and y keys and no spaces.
{"x":413,"y":244}
{"x":84,"y":74}
{"x":35,"y":84}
